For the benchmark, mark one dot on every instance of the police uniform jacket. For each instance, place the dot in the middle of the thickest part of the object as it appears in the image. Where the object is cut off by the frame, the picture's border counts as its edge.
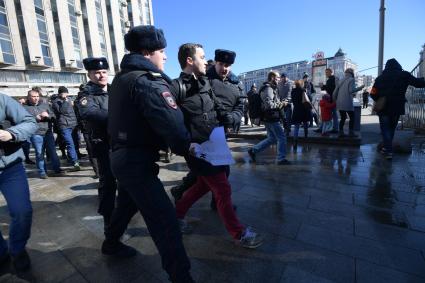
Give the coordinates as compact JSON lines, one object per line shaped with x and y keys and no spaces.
{"x":143,"y":113}
{"x":202,"y":113}
{"x":229,"y":93}
{"x":92,"y":108}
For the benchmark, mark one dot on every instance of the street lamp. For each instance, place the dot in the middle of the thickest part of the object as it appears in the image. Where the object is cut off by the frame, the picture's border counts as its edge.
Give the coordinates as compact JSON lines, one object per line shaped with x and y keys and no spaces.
{"x":381,"y":37}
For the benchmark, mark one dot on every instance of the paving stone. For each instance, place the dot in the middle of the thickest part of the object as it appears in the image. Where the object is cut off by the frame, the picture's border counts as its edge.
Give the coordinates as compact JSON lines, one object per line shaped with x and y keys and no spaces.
{"x":403,"y":259}
{"x":367,"y":272}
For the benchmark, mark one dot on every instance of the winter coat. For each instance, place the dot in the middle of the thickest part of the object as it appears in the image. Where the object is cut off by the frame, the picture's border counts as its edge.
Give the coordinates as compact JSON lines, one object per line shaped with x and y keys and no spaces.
{"x":65,"y":115}
{"x":392,"y":84}
{"x":46,"y":123}
{"x":326,"y":110}
{"x":301,"y":113}
{"x":343,"y":94}
{"x":20,"y":124}
{"x":330,"y":85}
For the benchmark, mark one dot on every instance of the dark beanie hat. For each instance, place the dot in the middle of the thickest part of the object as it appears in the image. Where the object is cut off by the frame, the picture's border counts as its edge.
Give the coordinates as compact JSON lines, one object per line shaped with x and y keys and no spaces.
{"x":93,"y":63}
{"x":62,"y":89}
{"x":225,"y":56}
{"x":144,"y":37}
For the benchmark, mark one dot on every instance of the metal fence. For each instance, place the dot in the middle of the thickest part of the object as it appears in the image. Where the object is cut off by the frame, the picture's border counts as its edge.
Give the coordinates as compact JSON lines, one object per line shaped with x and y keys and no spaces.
{"x":415,"y":109}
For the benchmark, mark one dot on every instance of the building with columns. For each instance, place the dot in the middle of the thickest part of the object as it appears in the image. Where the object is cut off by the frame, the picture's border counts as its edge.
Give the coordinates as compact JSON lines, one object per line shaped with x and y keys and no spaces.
{"x":43,"y":42}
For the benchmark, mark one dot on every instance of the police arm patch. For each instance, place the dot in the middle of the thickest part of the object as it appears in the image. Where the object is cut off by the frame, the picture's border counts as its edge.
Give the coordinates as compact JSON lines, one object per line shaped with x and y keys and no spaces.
{"x":169,"y":99}
{"x":83,"y":101}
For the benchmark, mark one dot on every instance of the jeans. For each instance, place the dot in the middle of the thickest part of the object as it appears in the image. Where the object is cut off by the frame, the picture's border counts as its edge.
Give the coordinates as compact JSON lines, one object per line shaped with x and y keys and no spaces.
{"x":26,"y":146}
{"x":70,"y":147}
{"x":343,"y":115}
{"x":297,"y":129}
{"x":335,"y":119}
{"x":220,"y":187}
{"x":140,"y":189}
{"x":40,"y":144}
{"x":388,"y":124}
{"x":14,"y":187}
{"x":275,"y":134}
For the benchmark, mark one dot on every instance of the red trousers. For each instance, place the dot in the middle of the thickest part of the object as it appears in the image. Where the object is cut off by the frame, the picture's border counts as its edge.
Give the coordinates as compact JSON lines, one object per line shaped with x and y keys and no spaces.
{"x":220,"y":187}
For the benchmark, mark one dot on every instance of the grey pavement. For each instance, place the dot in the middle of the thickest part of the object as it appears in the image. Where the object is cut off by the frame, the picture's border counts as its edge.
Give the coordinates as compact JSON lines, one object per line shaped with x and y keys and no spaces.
{"x":336,"y":214}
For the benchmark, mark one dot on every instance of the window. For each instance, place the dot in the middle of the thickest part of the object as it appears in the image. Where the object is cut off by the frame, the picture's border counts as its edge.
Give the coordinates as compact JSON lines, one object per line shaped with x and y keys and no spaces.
{"x":74,"y":33}
{"x":101,"y":28}
{"x":5,"y":41}
{"x":147,"y":12}
{"x":43,"y":33}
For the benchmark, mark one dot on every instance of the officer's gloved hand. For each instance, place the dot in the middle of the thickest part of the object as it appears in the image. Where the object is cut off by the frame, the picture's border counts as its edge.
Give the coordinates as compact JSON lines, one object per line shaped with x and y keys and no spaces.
{"x":228,"y":119}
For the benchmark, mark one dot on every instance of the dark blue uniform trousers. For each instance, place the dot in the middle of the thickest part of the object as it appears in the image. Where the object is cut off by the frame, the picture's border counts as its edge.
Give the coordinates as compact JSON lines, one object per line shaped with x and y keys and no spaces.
{"x":140,"y":189}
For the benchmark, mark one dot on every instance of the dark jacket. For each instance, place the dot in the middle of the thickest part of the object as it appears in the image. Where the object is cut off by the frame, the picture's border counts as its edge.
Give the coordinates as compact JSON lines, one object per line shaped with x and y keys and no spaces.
{"x":202,"y":113}
{"x":142,"y":112}
{"x":230,"y":94}
{"x":300,"y":114}
{"x":46,"y":123}
{"x":329,"y":87}
{"x":65,"y":115}
{"x":392,"y":84}
{"x":91,"y":107}
{"x":270,"y":102}
{"x":21,"y":124}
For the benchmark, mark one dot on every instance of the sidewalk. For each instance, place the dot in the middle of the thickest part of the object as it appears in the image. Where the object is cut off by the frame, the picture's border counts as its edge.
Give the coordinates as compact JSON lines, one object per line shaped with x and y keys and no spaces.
{"x":337,"y":214}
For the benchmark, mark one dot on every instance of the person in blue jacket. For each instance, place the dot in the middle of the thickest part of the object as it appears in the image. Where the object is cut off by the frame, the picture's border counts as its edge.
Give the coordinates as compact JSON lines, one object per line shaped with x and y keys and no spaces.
{"x":16,"y":126}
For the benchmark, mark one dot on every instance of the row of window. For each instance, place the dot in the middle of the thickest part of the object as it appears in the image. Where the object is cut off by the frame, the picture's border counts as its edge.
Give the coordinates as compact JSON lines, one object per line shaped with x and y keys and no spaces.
{"x":6,"y":47}
{"x":40,"y":77}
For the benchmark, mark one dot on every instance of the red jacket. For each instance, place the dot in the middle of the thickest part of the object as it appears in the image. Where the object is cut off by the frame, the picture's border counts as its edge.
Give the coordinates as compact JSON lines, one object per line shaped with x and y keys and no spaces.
{"x":326,"y":110}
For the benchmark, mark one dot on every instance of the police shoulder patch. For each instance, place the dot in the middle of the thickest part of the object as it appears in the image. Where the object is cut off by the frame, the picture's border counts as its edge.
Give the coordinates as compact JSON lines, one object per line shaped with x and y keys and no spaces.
{"x":83,"y":101}
{"x":169,"y":99}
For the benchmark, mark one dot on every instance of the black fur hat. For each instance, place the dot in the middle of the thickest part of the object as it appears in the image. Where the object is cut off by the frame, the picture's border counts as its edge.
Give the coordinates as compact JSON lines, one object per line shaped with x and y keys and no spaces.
{"x":94,"y":63}
{"x":225,"y":56}
{"x":144,"y":37}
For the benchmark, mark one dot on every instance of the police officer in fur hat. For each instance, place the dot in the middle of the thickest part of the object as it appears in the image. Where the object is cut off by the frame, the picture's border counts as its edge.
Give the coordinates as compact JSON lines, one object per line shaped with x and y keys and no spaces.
{"x":92,"y":110}
{"x":143,"y":119}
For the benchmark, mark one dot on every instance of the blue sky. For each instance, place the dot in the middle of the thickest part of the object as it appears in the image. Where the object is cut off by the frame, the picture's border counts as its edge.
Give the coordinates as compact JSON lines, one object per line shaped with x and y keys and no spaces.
{"x":273,"y":32}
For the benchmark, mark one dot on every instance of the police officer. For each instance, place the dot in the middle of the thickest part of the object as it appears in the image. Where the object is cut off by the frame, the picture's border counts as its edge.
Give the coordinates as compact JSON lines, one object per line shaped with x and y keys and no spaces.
{"x":16,"y":126}
{"x":92,"y":109}
{"x":144,"y":118}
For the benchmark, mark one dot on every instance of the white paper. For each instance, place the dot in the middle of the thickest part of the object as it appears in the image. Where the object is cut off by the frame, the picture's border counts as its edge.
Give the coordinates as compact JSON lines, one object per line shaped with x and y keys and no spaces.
{"x":215,"y":150}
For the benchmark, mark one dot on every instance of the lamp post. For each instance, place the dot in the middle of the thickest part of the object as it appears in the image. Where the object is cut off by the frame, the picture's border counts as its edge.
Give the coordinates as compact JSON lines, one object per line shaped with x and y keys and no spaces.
{"x":381,"y":37}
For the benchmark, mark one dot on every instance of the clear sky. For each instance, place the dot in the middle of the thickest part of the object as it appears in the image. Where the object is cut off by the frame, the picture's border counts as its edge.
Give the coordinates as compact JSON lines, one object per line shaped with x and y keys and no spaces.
{"x":273,"y":32}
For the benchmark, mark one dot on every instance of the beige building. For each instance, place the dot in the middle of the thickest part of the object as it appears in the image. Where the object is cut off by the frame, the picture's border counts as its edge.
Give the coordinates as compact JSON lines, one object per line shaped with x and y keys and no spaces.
{"x":43,"y":42}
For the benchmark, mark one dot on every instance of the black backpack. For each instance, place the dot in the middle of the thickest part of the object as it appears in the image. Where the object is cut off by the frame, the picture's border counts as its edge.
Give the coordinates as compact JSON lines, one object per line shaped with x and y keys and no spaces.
{"x":255,"y":105}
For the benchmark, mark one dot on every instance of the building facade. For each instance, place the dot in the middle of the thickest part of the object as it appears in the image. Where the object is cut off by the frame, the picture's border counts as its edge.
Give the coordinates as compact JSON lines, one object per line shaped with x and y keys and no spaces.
{"x":294,"y":71}
{"x":43,"y":42}
{"x":421,"y":68}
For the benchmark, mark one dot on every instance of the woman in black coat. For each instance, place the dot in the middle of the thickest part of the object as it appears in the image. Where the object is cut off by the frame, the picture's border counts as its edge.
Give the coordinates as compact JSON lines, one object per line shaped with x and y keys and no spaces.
{"x":301,"y":114}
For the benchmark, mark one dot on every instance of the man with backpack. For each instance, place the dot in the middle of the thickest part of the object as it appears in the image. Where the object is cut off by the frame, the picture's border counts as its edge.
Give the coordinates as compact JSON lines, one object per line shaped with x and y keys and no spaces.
{"x":271,"y":116}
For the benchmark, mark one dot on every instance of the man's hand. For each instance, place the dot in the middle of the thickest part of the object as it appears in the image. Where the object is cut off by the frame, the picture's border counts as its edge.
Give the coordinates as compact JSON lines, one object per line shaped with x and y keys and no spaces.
{"x":44,"y":114}
{"x":321,"y":84}
{"x":5,"y":136}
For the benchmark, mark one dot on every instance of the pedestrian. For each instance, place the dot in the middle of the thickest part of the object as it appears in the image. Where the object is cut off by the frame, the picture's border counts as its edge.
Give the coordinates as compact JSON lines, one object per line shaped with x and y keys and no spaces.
{"x":250,"y":98}
{"x":343,"y":96}
{"x":329,"y":87}
{"x":271,"y":117}
{"x":42,"y":139}
{"x":202,"y":112}
{"x":326,"y":107}
{"x":311,"y":92}
{"x":389,"y":94}
{"x":285,"y":87}
{"x":143,"y":118}
{"x":67,"y":121}
{"x":302,"y":110}
{"x":365,"y":96}
{"x":16,"y":126}
{"x":92,"y":108}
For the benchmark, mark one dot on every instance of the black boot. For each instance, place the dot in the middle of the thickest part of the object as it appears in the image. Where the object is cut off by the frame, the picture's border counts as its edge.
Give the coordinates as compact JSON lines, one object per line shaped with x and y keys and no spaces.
{"x":117,"y":249}
{"x":21,"y":262}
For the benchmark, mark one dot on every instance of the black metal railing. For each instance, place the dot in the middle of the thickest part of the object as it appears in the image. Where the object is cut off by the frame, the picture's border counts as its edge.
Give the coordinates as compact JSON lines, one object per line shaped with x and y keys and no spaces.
{"x":415,"y":105}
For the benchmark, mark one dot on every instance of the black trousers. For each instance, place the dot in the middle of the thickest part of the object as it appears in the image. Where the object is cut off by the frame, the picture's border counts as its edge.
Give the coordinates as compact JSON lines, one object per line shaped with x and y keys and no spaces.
{"x":343,"y":115}
{"x":107,"y":188}
{"x":140,"y":189}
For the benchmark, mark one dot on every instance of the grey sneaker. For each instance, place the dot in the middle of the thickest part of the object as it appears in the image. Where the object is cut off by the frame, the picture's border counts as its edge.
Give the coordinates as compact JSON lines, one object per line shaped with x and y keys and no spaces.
{"x":250,"y":239}
{"x":77,"y":166}
{"x":185,"y":228}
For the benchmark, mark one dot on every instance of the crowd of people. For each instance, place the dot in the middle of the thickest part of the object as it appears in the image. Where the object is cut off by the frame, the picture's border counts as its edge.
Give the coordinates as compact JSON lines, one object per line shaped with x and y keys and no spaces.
{"x":125,"y":125}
